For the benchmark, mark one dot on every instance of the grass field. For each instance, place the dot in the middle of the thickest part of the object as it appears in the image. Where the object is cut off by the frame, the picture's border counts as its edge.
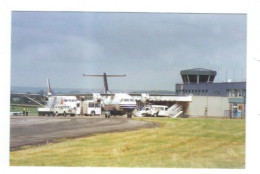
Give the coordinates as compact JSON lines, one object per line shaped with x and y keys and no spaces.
{"x":178,"y":143}
{"x":19,"y":108}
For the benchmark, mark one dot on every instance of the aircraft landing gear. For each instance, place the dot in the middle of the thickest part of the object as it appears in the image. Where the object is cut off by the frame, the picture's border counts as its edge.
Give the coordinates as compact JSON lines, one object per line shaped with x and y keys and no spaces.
{"x":129,"y":115}
{"x":107,"y":114}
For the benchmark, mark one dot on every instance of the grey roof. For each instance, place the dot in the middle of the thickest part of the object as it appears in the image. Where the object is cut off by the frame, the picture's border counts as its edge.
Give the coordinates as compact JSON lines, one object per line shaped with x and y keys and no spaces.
{"x":198,"y":71}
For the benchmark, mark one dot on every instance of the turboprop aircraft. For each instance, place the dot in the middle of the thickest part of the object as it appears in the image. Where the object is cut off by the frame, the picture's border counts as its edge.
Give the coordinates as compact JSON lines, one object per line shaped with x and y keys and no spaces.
{"x":114,"y":103}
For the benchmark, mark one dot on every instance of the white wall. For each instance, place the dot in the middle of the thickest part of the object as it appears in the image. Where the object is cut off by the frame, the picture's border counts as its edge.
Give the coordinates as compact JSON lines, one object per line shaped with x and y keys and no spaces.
{"x":216,"y":106}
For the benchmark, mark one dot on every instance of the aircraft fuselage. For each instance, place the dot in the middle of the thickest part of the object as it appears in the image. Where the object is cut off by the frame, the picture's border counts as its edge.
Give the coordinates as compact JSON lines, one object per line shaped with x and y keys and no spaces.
{"x":119,"y":103}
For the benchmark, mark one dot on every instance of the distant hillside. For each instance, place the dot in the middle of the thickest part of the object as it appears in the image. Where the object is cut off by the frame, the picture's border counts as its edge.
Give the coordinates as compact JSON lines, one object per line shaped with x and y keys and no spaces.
{"x":154,"y":91}
{"x":42,"y":90}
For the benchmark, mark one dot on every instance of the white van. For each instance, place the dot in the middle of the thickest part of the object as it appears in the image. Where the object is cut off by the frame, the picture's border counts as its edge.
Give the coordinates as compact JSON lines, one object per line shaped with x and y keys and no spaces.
{"x":151,"y":110}
{"x":161,"y":108}
{"x":64,"y":110}
{"x":91,"y":108}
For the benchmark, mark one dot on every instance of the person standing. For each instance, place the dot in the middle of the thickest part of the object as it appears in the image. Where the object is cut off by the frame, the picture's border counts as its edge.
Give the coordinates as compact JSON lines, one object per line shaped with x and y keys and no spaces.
{"x":157,"y":112}
{"x":27,"y":110}
{"x":206,"y":112}
{"x":24,"y":111}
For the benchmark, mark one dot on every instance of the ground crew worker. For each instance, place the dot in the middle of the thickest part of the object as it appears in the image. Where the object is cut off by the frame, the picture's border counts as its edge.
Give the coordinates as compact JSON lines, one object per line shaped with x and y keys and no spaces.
{"x":24,"y":111}
{"x":206,"y":112}
{"x":157,"y":112}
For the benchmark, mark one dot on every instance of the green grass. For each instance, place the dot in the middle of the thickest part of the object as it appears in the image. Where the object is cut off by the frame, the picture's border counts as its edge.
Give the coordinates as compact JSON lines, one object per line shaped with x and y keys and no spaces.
{"x":178,"y":143}
{"x":19,"y":108}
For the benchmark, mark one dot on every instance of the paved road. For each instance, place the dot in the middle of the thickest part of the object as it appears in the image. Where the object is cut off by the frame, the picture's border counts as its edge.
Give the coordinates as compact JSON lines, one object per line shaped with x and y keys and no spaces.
{"x":40,"y":130}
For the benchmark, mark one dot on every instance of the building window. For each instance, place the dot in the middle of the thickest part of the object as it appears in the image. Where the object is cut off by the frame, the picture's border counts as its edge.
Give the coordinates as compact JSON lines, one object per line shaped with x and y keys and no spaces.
{"x":235,"y":93}
{"x":239,"y":93}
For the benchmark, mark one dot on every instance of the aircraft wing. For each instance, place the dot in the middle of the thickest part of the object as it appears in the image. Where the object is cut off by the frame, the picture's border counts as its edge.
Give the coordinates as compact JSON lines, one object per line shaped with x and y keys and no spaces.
{"x":27,"y":94}
{"x":85,"y":94}
{"x":146,"y":97}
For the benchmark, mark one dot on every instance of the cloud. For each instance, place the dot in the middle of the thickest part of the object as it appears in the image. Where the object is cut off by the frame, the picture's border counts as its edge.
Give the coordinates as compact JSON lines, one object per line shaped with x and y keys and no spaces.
{"x":141,"y":45}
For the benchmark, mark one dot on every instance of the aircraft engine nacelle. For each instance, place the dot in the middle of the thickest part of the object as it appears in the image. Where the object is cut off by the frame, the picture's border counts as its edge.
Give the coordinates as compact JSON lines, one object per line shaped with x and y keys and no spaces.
{"x":145,"y":98}
{"x":97,"y":97}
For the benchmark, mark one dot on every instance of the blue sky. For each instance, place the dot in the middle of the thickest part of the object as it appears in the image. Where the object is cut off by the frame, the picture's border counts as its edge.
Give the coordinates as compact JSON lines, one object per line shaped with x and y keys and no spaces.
{"x":150,"y":48}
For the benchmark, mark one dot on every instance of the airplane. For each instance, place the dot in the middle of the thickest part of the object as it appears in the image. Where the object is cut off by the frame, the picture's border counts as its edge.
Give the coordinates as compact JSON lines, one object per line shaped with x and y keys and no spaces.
{"x":51,"y":101}
{"x":114,"y":103}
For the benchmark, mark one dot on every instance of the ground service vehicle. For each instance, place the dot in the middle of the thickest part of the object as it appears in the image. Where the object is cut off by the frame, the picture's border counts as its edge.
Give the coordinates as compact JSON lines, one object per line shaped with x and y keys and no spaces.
{"x":91,"y":108}
{"x":45,"y":111}
{"x":161,"y":108}
{"x":64,"y":110}
{"x":154,"y":110}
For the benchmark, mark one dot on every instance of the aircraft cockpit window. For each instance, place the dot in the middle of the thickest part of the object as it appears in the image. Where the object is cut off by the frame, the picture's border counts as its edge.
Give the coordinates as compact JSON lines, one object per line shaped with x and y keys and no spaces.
{"x":126,"y":100}
{"x":131,"y":100}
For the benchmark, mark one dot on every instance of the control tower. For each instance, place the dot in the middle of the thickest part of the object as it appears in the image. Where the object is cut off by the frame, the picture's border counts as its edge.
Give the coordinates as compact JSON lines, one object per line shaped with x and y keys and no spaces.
{"x":199,"y":81}
{"x":198,"y":75}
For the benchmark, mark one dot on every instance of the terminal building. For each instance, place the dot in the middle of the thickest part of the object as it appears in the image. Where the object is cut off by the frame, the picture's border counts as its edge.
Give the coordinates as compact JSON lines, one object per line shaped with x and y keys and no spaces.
{"x":199,"y":91}
{"x":224,"y":99}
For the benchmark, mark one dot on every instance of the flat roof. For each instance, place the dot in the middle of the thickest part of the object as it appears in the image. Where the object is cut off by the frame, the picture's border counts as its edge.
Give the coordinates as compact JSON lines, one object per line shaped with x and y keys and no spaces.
{"x":198,"y":71}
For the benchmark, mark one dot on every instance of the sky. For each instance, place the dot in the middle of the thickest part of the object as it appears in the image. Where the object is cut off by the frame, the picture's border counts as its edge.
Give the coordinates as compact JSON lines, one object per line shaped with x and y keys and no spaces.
{"x":150,"y":48}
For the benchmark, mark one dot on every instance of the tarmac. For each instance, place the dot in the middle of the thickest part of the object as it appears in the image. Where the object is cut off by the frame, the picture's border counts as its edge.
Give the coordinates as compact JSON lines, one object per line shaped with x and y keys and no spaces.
{"x":37,"y":130}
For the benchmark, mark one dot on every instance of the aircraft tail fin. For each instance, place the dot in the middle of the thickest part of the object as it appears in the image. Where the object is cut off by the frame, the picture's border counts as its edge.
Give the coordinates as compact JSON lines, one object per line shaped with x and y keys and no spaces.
{"x":48,"y":87}
{"x":105,"y":79}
